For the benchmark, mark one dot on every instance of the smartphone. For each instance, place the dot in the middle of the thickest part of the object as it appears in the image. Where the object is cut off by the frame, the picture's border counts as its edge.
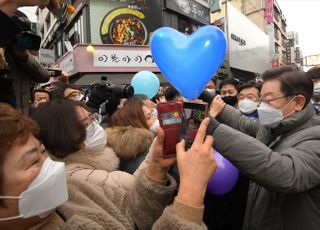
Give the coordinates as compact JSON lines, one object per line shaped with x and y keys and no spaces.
{"x":55,"y":72}
{"x":193,"y":114}
{"x":170,"y":117}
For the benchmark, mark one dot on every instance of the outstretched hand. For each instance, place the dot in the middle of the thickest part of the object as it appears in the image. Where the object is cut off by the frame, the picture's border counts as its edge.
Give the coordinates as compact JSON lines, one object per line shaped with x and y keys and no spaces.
{"x":216,"y":107}
{"x":196,"y":166}
{"x":159,"y":165}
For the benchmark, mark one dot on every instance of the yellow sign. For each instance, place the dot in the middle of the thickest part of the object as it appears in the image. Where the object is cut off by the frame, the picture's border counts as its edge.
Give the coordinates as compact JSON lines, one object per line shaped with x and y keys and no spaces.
{"x":313,"y":60}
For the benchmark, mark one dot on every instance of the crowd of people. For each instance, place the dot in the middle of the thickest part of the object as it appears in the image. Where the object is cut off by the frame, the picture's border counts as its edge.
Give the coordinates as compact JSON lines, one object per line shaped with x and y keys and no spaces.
{"x":63,"y":167}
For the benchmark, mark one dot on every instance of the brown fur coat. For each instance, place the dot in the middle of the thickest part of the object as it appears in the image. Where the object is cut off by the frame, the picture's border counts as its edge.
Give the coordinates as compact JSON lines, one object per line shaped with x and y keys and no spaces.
{"x":128,"y":142}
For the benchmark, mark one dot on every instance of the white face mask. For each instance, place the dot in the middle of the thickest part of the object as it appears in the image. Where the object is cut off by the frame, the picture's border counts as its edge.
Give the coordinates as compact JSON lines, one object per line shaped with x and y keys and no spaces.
{"x":247,"y":106}
{"x":316,"y":90}
{"x":154,"y":126}
{"x":269,"y":116}
{"x":211,"y":91}
{"x":96,"y":136}
{"x":46,"y":192}
{"x":155,"y":113}
{"x":79,"y":98}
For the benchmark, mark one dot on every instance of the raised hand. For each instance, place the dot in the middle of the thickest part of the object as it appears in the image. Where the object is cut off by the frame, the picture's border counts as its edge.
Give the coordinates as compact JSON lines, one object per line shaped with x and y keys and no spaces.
{"x":196,"y":167}
{"x":216,"y":106}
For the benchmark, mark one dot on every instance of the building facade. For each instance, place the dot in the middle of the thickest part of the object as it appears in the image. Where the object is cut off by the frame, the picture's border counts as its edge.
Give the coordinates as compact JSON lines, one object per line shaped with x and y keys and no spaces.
{"x":108,"y":23}
{"x":277,"y":30}
{"x":293,"y":52}
{"x":248,"y":42}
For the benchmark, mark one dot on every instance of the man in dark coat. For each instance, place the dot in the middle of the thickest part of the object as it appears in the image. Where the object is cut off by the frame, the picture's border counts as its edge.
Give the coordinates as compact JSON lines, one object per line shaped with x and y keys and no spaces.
{"x":280,"y":152}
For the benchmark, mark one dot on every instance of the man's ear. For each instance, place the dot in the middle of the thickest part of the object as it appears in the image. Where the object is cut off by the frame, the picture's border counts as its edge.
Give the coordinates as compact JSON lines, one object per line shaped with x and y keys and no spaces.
{"x":300,"y":102}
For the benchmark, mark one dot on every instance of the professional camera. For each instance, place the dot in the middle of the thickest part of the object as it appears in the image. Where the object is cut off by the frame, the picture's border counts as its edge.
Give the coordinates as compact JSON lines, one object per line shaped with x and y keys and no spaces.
{"x":207,"y":96}
{"x":109,"y":94}
{"x":27,"y":40}
{"x":24,"y":39}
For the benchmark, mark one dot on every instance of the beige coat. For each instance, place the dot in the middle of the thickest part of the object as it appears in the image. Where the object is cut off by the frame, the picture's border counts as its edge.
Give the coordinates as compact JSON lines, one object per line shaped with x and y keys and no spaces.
{"x":95,"y":207}
{"x":99,"y":167}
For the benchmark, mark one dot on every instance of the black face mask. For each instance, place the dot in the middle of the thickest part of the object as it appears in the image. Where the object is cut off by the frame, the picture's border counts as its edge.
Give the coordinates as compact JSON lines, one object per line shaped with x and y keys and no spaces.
{"x":230,"y":100}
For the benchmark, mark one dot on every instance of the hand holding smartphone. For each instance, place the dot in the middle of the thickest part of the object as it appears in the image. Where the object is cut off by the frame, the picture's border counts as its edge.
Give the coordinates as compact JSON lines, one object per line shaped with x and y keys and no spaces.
{"x":180,"y":121}
{"x":170,"y":118}
{"x":54,"y":72}
{"x":194,"y":112}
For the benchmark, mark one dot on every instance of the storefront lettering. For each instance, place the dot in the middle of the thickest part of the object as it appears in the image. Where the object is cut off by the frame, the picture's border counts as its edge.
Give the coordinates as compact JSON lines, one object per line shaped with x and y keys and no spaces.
{"x":241,"y":41}
{"x":191,"y":9}
{"x":103,"y":58}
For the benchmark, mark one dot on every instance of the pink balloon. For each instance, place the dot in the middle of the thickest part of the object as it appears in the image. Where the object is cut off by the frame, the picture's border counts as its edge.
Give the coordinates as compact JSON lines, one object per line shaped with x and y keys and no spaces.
{"x":225,"y":178}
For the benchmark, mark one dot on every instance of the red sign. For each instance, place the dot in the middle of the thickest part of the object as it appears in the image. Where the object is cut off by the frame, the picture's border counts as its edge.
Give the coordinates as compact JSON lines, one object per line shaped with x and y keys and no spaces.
{"x":275,"y":63}
{"x":268,"y":13}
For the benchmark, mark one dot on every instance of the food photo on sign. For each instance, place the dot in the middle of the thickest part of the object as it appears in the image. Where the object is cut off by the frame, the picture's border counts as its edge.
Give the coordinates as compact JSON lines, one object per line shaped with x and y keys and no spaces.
{"x":128,"y":23}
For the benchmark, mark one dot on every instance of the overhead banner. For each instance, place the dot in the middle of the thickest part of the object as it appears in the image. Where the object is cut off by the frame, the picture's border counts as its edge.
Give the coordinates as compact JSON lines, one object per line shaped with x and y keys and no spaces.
{"x":268,"y":13}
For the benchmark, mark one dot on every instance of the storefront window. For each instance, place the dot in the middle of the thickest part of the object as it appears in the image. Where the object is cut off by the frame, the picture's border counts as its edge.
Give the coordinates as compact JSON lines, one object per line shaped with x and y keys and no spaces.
{"x":76,"y":33}
{"x":186,"y":27}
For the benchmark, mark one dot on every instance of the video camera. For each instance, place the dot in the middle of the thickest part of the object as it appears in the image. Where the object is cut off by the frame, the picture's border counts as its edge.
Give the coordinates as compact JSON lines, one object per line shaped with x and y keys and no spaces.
{"x":24,"y":38}
{"x":27,"y":40}
{"x":109,"y":94}
{"x":207,"y":96}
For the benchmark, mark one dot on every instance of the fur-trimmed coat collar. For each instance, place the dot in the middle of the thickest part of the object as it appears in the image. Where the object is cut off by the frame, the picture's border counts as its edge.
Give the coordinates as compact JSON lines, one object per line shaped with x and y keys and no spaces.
{"x":102,"y":159}
{"x":128,"y":142}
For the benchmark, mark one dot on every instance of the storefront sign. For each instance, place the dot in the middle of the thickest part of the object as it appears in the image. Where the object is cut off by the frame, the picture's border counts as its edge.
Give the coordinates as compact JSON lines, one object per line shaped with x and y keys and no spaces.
{"x":275,"y":57}
{"x":288,"y":53}
{"x":125,"y":22}
{"x":248,"y":44}
{"x":215,"y":6}
{"x":123,"y":58}
{"x":236,"y":38}
{"x":275,"y":63}
{"x":67,"y":63}
{"x":313,"y":60}
{"x":191,"y":9}
{"x":46,"y":56}
{"x":205,"y":3}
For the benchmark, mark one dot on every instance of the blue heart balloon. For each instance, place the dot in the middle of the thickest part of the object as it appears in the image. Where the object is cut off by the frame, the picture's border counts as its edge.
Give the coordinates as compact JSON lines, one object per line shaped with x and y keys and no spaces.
{"x":188,"y":62}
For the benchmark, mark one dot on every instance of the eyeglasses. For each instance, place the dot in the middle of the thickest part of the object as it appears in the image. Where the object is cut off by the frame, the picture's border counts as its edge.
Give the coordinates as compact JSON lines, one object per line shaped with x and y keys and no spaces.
{"x":267,"y":101}
{"x":74,"y":95}
{"x":250,"y":97}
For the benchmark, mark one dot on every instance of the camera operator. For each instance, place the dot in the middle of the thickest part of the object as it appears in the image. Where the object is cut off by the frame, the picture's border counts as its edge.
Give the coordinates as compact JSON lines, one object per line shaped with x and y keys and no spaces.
{"x":23,"y":69}
{"x":6,"y":90}
{"x":102,"y":99}
{"x":105,"y":98}
{"x":8,"y":7}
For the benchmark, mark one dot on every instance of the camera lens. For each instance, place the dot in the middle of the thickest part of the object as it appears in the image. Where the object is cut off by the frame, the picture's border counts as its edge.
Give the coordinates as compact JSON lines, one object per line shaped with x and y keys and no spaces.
{"x":122,"y":91}
{"x":207,"y":96}
{"x":128,"y":91}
